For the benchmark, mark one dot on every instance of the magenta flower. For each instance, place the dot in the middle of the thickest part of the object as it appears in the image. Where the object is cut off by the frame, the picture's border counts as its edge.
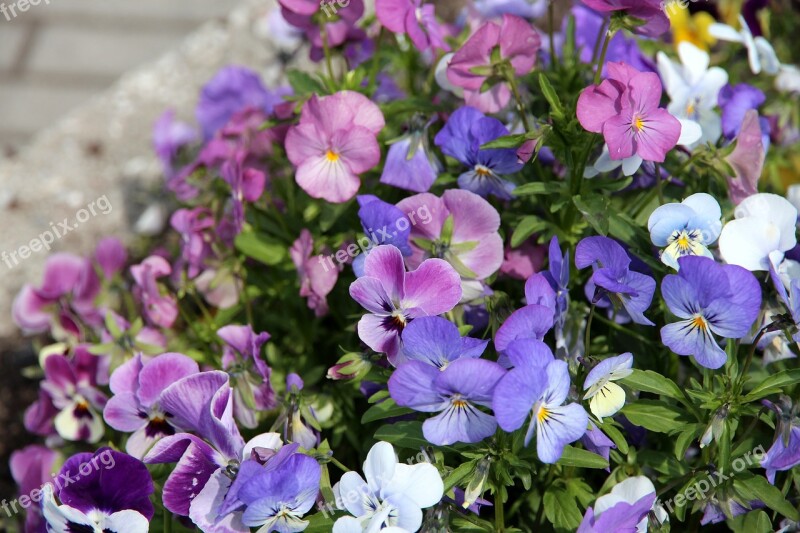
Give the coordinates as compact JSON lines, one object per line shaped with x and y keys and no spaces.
{"x":339,"y":22}
{"x":625,"y":109}
{"x":334,"y":142}
{"x":473,"y":64}
{"x":111,"y":255}
{"x":159,"y":309}
{"x":31,"y":468}
{"x":394,"y":297}
{"x":650,"y":11}
{"x":415,"y":19}
{"x":461,"y":229}
{"x":317,"y":276}
{"x":247,"y":185}
{"x":196,"y":227}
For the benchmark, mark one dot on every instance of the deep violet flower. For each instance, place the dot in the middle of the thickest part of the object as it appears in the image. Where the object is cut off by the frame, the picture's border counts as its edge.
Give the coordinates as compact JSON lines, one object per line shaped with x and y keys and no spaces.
{"x":613,"y":278}
{"x":709,"y":298}
{"x":31,"y":467}
{"x":625,"y":109}
{"x":114,"y":495}
{"x":454,"y":391}
{"x":169,"y":136}
{"x":394,"y":297}
{"x":317,"y":277}
{"x":784,"y":454}
{"x":461,"y":138}
{"x":537,"y":388}
{"x":462,"y":229}
{"x":333,"y":143}
{"x":735,"y":101}
{"x":158,"y":309}
{"x":415,"y":19}
{"x":517,"y":44}
{"x":242,"y":359}
{"x":138,"y":386}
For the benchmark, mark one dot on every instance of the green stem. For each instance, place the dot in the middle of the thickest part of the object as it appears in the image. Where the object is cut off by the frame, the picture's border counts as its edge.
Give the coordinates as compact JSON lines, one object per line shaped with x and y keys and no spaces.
{"x":339,"y":465}
{"x":746,"y":367}
{"x":512,"y":82}
{"x":499,"y":519}
{"x":659,"y":185}
{"x":376,"y":64}
{"x":551,"y":20}
{"x":587,"y":337}
{"x":599,"y":72}
{"x":167,"y":521}
{"x":326,"y":50}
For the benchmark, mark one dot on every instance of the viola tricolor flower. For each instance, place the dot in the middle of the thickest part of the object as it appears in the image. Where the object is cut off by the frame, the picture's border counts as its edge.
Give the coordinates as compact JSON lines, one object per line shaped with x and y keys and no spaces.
{"x":625,"y":508}
{"x":612,"y":277}
{"x":625,"y":109}
{"x":462,"y":231}
{"x":462,"y":137}
{"x":605,"y":397}
{"x":111,"y":494}
{"x":687,"y":228}
{"x":455,"y":391}
{"x":537,"y":387}
{"x":334,"y":142}
{"x":415,"y":19}
{"x":764,"y":223}
{"x":392,"y":497}
{"x":784,"y":454}
{"x":383,"y":223}
{"x":32,"y":467}
{"x":735,"y":101}
{"x":516,"y":44}
{"x":709,"y":298}
{"x":437,"y":342}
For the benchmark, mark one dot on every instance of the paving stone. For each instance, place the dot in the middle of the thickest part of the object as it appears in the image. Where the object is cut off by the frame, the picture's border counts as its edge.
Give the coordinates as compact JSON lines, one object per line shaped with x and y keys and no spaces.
{"x":124,"y":11}
{"x":26,"y":109}
{"x":12,"y":37}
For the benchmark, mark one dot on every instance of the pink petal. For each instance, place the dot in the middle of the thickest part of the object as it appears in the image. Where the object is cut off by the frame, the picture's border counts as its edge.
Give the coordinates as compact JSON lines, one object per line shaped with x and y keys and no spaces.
{"x":618,"y":136}
{"x":492,"y":101}
{"x":747,"y":159}
{"x":598,"y":103}
{"x":386,"y":264}
{"x":475,"y":52}
{"x":659,"y":135}
{"x":434,"y":287}
{"x":392,"y":13}
{"x":358,"y":148}
{"x":473,"y":217}
{"x":304,"y":141}
{"x":520,"y":43}
{"x":329,"y":180}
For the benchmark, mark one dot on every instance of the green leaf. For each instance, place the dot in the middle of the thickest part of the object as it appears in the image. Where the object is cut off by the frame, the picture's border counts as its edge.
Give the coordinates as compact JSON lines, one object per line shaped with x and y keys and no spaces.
{"x":319,"y":523}
{"x":649,"y":381}
{"x":458,"y":475}
{"x":525,"y":228}
{"x":385,"y":409}
{"x":506,"y":141}
{"x":596,"y":211}
{"x":773,"y":384}
{"x":556,"y":108}
{"x":656,"y":416}
{"x":752,"y":487}
{"x":581,"y":458}
{"x":260,"y":247}
{"x":753,"y":522}
{"x":561,"y":509}
{"x":539,"y":187}
{"x":407,"y":434}
{"x":615,"y":435}
{"x":304,"y":83}
{"x":685,"y":438}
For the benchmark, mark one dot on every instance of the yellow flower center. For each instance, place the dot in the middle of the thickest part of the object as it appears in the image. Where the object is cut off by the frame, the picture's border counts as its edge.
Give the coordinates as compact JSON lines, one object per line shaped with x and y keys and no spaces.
{"x":542,"y":415}
{"x":699,"y":322}
{"x":638,"y":123}
{"x":482,"y":171}
{"x":332,"y":156}
{"x":459,"y":403}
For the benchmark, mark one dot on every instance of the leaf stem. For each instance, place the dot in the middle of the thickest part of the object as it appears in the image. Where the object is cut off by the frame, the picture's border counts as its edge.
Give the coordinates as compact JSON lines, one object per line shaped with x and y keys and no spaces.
{"x":599,"y":72}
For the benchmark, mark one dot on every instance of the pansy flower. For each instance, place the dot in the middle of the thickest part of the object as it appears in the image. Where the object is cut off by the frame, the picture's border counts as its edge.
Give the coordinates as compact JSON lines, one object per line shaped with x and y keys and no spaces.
{"x":196,"y":228}
{"x":391,"y":498}
{"x":605,"y":397}
{"x":159,"y":309}
{"x":784,"y":454}
{"x":111,"y":495}
{"x":612,"y":276}
{"x":317,"y":276}
{"x":394,"y":297}
{"x":437,"y":342}
{"x":415,"y":19}
{"x":462,"y":137}
{"x":314,"y":18}
{"x":747,"y":159}
{"x":455,"y":392}
{"x":493,"y":50}
{"x":334,"y":142}
{"x":735,"y":101}
{"x":625,"y":508}
{"x":763,"y":223}
{"x":383,"y":223}
{"x":410,"y":163}
{"x":32,"y":467}
{"x":650,"y":11}
{"x":537,"y":388}
{"x":169,"y":136}
{"x":709,"y":298}
{"x":760,"y":53}
{"x":686,"y":228}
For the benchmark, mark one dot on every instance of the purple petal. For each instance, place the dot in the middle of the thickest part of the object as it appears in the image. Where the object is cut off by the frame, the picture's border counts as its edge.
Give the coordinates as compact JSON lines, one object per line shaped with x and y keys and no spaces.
{"x":434,"y":287}
{"x":412,"y":385}
{"x":530,"y":322}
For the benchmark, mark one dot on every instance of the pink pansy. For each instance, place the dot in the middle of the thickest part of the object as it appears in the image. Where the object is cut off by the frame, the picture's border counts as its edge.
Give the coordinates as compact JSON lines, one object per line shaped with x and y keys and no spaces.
{"x":747,"y":159}
{"x":651,"y":11}
{"x":111,"y":255}
{"x":196,"y":227}
{"x":625,"y":109}
{"x":524,"y":261}
{"x":159,"y":310}
{"x":317,"y":276}
{"x":394,"y":297}
{"x":462,"y":231}
{"x":339,"y":21}
{"x":334,"y":142}
{"x":413,"y":18}
{"x":221,"y":288}
{"x":247,"y":185}
{"x":472,"y":64}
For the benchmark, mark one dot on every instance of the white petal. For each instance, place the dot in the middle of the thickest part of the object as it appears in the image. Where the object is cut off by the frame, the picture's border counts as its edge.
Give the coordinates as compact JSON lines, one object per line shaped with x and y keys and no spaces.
{"x":631,"y":164}
{"x":776,"y":210}
{"x":420,"y":482}
{"x":347,"y":524}
{"x":769,"y":60}
{"x":695,"y":61}
{"x":747,"y":242}
{"x":271,"y":441}
{"x":379,"y":468}
{"x":671,"y":75}
{"x":690,"y":132}
{"x":724,"y":32}
{"x":127,"y":521}
{"x":633,"y":489}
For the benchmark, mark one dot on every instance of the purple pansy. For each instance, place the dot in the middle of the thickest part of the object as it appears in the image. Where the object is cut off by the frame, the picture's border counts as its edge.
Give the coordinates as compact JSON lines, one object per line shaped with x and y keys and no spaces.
{"x":394,"y":297}
{"x":622,"y":517}
{"x":709,"y":298}
{"x":110,"y":491}
{"x":111,"y":256}
{"x":69,"y":399}
{"x":160,"y":310}
{"x":537,"y":387}
{"x":735,"y":101}
{"x":241,"y":358}
{"x":383,"y":223}
{"x":138,"y":387}
{"x":531,"y":322}
{"x":317,"y":274}
{"x":784,"y":454}
{"x":652,"y":12}
{"x":454,"y":391}
{"x":436,"y":341}
{"x":196,"y":227}
{"x":31,"y":467}
{"x":588,"y":24}
{"x":410,"y":163}
{"x":597,"y":442}
{"x":462,"y":137}
{"x":415,"y":19}
{"x":461,"y":228}
{"x":612,"y":276}
{"x":246,"y":183}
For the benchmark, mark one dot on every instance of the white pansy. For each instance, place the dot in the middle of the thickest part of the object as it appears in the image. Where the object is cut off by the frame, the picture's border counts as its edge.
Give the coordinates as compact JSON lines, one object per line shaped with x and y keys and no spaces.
{"x":630,"y":491}
{"x":760,"y":53}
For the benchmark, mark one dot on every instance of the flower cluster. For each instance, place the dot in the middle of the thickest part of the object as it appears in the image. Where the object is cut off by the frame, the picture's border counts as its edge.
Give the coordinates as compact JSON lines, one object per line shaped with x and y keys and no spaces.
{"x":542,"y":275}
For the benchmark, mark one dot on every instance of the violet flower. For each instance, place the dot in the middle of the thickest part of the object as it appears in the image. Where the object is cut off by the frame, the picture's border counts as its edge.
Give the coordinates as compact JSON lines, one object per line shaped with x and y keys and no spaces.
{"x":196,"y":227}
{"x":415,"y":19}
{"x":169,"y":136}
{"x":32,"y":467}
{"x":650,"y":11}
{"x":394,"y":297}
{"x":784,"y":454}
{"x":410,"y":163}
{"x":158,"y":309}
{"x":317,"y":274}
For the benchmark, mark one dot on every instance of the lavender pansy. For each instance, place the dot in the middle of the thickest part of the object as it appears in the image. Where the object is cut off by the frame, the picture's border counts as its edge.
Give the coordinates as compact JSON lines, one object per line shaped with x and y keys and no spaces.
{"x":455,"y":392}
{"x":735,"y":101}
{"x":686,"y":228}
{"x":159,"y":309}
{"x":709,"y":298}
{"x":784,"y":454}
{"x":32,"y":467}
{"x":625,"y":508}
{"x":613,"y":278}
{"x":410,"y":163}
{"x":436,"y":341}
{"x":394,"y":297}
{"x":605,"y":397}
{"x":383,"y":223}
